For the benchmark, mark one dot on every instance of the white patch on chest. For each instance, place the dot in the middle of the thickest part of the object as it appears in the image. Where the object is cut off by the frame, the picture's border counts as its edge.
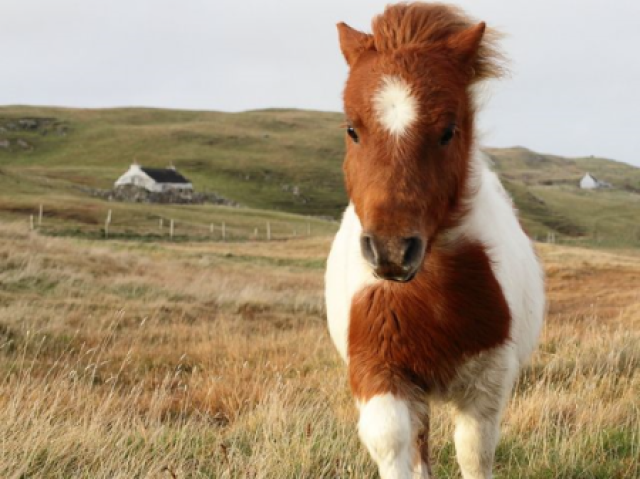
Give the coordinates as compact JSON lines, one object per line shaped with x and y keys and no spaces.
{"x":347,"y":273}
{"x":395,"y":106}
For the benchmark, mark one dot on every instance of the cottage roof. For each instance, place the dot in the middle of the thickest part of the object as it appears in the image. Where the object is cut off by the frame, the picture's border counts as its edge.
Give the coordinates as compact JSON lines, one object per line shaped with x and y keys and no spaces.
{"x":592,"y":177}
{"x":165,"y":175}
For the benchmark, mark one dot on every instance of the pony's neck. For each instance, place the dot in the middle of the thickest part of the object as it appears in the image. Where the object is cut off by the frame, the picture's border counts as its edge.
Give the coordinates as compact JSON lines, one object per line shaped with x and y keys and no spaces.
{"x":483,"y":193}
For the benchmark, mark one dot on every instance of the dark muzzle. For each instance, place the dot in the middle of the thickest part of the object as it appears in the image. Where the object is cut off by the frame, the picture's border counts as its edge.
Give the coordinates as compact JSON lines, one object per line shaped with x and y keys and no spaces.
{"x":393,"y":258}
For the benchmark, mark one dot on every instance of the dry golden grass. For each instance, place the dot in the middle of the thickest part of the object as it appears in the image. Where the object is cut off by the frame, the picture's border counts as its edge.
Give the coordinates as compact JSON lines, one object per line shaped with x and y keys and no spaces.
{"x":213,"y":360}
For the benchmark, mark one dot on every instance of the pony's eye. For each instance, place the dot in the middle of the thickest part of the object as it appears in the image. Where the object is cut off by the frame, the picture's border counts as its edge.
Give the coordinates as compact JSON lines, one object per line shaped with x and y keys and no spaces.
{"x":448,"y":134}
{"x":351,"y":131}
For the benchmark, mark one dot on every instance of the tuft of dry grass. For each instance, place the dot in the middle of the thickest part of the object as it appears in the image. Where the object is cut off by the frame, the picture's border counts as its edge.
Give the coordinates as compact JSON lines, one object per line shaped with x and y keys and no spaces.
{"x":213,"y":360}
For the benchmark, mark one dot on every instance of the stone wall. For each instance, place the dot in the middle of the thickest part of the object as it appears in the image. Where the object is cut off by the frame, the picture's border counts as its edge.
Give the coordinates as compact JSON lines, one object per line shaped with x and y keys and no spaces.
{"x":135,"y":194}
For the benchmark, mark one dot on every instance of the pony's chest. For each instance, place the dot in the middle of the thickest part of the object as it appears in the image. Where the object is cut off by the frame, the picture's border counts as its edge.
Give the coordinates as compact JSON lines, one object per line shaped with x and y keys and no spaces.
{"x":419,"y":333}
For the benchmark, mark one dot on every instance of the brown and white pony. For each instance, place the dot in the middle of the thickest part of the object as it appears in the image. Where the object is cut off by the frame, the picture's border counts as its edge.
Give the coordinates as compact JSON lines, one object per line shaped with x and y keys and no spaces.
{"x":433,"y":290}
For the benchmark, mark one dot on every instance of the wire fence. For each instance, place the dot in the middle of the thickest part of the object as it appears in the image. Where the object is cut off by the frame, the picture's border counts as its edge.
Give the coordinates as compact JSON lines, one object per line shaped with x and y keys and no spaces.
{"x":160,"y":227}
{"x":629,"y":240}
{"x":165,"y":227}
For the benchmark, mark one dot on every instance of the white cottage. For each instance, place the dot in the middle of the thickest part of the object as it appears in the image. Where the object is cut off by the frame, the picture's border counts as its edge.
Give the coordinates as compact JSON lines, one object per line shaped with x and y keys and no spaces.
{"x":154,"y":179}
{"x":590,"y":182}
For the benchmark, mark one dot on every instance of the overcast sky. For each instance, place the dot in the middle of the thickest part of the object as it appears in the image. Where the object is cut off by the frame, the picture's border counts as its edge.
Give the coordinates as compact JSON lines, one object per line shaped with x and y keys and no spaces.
{"x":574,"y":88}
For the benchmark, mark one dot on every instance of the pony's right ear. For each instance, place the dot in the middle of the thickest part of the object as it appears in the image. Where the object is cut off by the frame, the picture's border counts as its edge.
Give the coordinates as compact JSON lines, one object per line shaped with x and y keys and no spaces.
{"x":352,"y":42}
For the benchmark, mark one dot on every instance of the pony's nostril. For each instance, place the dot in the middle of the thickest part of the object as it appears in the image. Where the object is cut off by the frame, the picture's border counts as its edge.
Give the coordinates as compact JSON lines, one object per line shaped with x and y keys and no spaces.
{"x":394,"y":258}
{"x":414,"y":248}
{"x":368,"y":248}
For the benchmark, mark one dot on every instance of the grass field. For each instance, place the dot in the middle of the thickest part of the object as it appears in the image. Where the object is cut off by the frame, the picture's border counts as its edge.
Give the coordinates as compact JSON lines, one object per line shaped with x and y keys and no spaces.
{"x":126,"y":359}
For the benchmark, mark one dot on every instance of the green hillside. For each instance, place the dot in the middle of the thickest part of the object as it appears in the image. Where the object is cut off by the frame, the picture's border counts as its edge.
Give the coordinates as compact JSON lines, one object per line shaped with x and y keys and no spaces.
{"x":260,"y":159}
{"x":279,"y":160}
{"x":545,"y":190}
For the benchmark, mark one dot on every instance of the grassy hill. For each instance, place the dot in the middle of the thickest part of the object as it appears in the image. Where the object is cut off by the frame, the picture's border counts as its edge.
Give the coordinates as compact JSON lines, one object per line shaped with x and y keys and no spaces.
{"x":280,"y":160}
{"x":255,"y":158}
{"x":265,"y":160}
{"x":545,"y":190}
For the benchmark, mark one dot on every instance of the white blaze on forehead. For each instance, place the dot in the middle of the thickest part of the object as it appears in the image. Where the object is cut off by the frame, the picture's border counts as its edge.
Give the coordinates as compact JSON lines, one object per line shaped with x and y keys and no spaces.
{"x":395,"y":105}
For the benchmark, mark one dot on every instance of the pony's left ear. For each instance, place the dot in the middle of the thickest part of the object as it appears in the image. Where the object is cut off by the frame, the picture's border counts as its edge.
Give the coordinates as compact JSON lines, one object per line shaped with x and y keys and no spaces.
{"x":475,"y":48}
{"x":466,"y":44}
{"x":352,"y":42}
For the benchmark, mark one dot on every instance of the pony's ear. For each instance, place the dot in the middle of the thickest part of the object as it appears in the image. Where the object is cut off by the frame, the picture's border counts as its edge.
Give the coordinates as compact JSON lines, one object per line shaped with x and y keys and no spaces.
{"x":466,"y":44}
{"x":352,"y":42}
{"x":475,"y":49}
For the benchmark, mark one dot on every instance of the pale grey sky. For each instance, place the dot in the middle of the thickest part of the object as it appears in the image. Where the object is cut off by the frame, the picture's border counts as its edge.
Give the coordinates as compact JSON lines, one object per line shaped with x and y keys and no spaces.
{"x":574,"y":89}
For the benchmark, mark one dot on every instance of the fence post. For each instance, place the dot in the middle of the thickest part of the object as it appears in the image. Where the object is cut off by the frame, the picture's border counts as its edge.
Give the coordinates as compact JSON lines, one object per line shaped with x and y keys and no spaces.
{"x":211,"y":229}
{"x":268,"y":231}
{"x":161,"y":223}
{"x":255,"y":233}
{"x":31,"y":226}
{"x":40,"y":216}
{"x":224,"y":232}
{"x":107,"y":222}
{"x":171,"y":229}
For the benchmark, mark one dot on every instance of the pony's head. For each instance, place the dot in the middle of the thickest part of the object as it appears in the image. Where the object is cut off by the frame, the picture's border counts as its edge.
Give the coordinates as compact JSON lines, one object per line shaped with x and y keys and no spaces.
{"x":409,"y":119}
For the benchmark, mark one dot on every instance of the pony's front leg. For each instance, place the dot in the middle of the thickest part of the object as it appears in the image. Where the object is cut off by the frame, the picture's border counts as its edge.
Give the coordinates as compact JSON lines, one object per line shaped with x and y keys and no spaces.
{"x":477,"y":423}
{"x":387,"y":429}
{"x":476,"y":437}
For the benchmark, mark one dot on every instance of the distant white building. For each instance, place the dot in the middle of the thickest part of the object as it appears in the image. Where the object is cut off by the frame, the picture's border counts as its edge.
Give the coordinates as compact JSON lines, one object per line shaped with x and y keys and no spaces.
{"x":590,"y":182}
{"x":154,"y":179}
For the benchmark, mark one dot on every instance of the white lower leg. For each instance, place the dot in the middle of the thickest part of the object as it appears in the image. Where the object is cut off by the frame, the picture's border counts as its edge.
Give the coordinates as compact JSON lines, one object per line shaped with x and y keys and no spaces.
{"x":478,"y":416}
{"x":421,"y":471}
{"x":385,"y":428}
{"x":476,"y":438}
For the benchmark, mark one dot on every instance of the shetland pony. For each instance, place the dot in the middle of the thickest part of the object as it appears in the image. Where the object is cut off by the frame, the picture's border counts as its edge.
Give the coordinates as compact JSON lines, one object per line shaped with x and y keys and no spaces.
{"x":434,"y":292}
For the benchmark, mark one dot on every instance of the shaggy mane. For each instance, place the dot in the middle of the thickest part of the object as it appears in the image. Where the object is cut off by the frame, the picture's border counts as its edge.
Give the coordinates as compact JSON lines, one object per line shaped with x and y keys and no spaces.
{"x":416,"y":24}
